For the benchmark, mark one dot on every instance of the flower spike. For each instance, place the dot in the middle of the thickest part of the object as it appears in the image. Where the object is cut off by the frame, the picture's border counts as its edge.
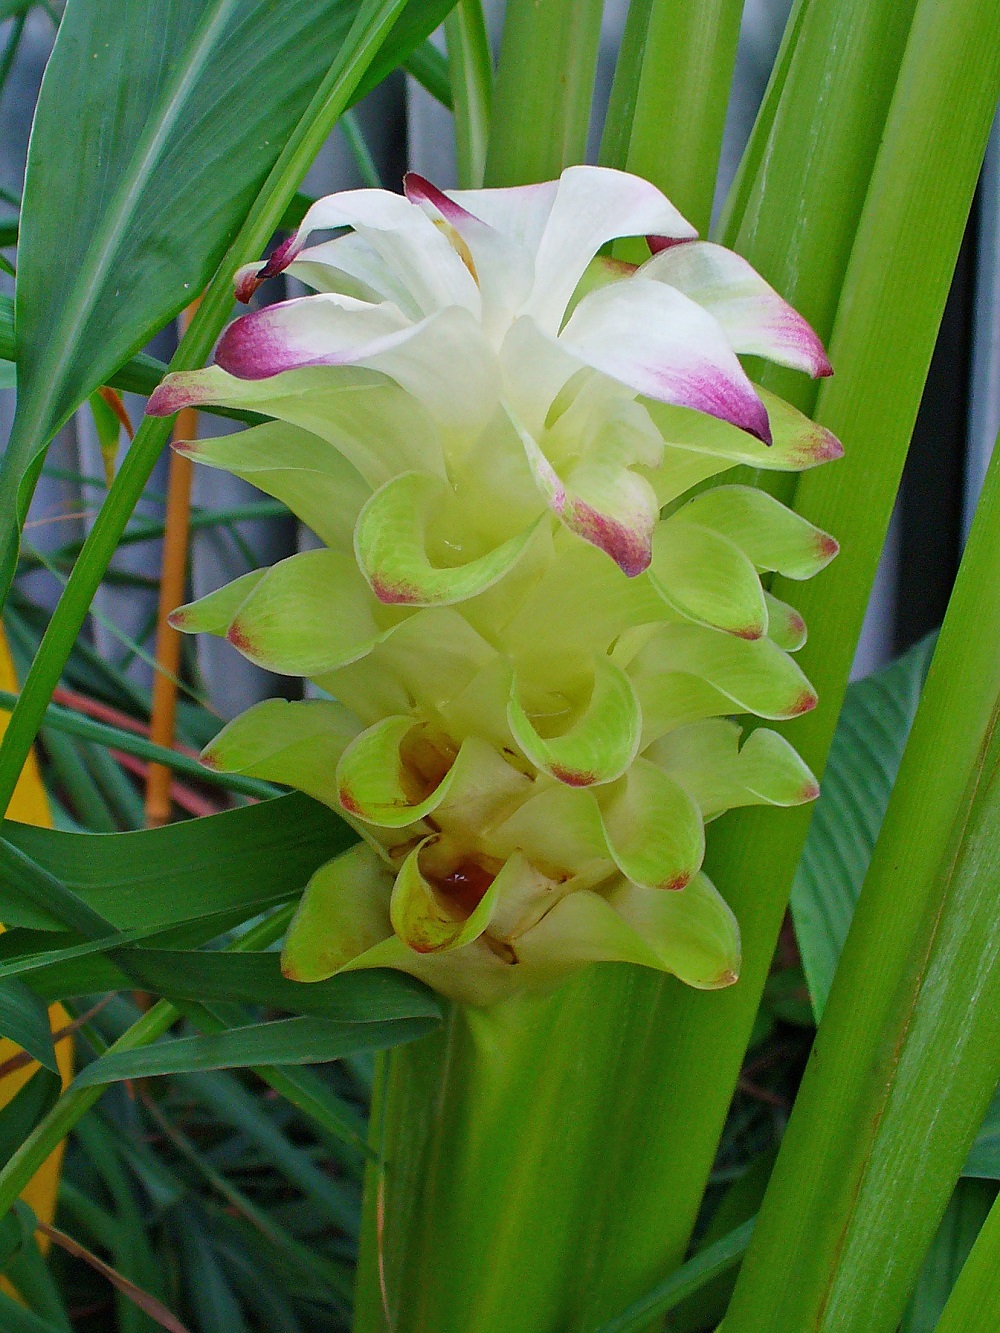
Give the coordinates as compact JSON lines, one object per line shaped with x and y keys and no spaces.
{"x":538,"y":621}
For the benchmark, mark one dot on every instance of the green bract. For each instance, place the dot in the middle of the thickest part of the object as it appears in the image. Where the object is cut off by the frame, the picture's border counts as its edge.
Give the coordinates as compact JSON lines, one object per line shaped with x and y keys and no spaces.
{"x":534,"y":623}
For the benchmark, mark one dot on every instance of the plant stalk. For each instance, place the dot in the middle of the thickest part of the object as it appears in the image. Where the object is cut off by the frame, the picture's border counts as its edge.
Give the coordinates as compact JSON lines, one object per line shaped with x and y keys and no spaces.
{"x":470,"y":66}
{"x":669,"y":98}
{"x":491,"y":1132}
{"x":543,"y":92}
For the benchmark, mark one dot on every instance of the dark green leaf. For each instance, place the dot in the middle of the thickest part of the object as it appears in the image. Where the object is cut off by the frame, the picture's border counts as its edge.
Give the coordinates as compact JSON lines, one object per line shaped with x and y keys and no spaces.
{"x":289,"y":1041}
{"x":155,"y":127}
{"x":430,"y":68}
{"x":955,"y":1237}
{"x":24,"y":1020}
{"x":255,"y":978}
{"x":16,"y":1319}
{"x":23,"y":1112}
{"x":230,"y":1103}
{"x":788,"y":999}
{"x":706,"y":1265}
{"x":33,"y":884}
{"x":159,"y":877}
{"x":15,"y":1228}
{"x":51,"y":956}
{"x":864,"y":759}
{"x":984,"y":1159}
{"x":208,"y":1291}
{"x":34,"y":1281}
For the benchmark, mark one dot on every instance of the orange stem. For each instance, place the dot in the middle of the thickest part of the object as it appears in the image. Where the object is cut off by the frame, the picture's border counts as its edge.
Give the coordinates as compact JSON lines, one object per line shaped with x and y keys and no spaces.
{"x":163,"y":716}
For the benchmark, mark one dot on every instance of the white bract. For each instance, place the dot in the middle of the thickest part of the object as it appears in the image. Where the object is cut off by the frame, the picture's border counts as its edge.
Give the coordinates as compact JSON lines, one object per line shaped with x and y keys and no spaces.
{"x":532,"y":672}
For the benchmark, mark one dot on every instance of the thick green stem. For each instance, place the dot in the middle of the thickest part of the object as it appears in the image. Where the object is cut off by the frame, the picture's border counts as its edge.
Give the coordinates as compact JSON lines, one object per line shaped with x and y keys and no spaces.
{"x":492,"y":1134}
{"x":544,"y":87}
{"x":906,"y":1060}
{"x":669,"y":99}
{"x":646,"y":1067}
{"x":470,"y":67}
{"x":333,"y":96}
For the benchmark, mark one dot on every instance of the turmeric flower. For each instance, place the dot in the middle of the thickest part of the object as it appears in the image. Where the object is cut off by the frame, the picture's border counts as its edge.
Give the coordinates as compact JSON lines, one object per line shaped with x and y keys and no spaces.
{"x":532,"y":625}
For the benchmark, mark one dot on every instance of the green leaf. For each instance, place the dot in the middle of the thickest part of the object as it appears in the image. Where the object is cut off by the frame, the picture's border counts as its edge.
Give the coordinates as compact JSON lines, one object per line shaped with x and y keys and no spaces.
{"x":12,"y":1235}
{"x":706,"y":1265}
{"x":255,"y":978}
{"x":961,"y":1224}
{"x":17,"y":1319}
{"x":984,"y":1159}
{"x":288,"y":1041}
{"x":230,"y":1103}
{"x":178,"y":112}
{"x":241,"y":858}
{"x":974,"y":1304}
{"x":864,"y":759}
{"x":668,"y":102}
{"x":430,"y":69}
{"x":23,"y":1112}
{"x":24,"y":1020}
{"x":140,"y":375}
{"x":32,"y":884}
{"x":33,"y":1280}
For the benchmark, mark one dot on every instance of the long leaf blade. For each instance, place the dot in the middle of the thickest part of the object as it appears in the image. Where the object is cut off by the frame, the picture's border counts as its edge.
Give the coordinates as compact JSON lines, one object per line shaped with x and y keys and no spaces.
{"x":241,"y":858}
{"x":288,"y":1041}
{"x":24,"y":1020}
